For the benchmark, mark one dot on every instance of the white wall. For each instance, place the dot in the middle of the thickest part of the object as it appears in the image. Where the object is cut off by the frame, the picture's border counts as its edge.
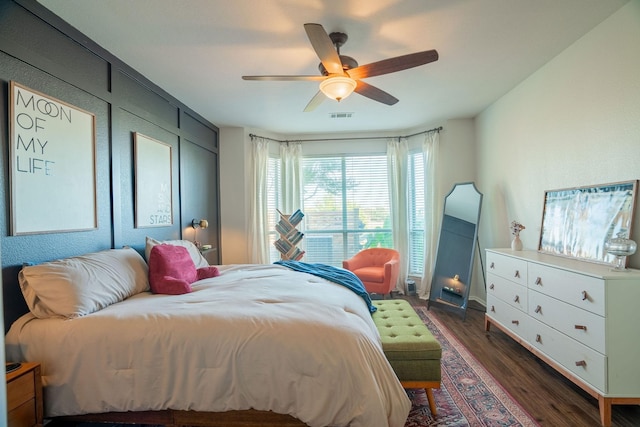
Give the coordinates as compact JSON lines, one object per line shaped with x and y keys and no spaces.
{"x":574,"y":122}
{"x":234,"y":207}
{"x":235,"y":190}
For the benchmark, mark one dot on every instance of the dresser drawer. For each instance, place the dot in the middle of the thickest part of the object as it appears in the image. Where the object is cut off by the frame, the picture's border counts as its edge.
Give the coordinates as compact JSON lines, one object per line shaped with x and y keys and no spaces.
{"x":505,"y":266}
{"x":576,"y":289}
{"x":509,"y":317}
{"x":508,"y":291}
{"x":584,"y":362}
{"x":581,"y":325}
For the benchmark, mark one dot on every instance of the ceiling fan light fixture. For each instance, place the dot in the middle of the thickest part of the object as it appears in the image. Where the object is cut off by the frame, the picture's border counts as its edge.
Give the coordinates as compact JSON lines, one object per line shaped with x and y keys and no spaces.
{"x":338,"y":87}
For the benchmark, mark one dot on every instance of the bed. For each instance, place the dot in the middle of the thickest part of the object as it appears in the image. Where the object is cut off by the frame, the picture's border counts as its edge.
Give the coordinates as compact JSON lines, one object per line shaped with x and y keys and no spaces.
{"x":256,"y":341}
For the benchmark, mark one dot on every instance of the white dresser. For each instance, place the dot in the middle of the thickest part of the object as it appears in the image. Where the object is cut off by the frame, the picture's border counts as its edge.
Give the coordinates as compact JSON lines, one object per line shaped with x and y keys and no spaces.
{"x":581,"y":318}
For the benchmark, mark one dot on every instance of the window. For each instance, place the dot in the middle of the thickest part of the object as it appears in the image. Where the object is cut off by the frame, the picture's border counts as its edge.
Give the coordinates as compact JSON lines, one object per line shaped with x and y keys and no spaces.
{"x":416,"y":213}
{"x":346,"y":206}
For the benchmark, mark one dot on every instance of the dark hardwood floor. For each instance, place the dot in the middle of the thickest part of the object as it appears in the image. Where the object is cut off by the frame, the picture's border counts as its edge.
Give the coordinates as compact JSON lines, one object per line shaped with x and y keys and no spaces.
{"x":545,"y":394}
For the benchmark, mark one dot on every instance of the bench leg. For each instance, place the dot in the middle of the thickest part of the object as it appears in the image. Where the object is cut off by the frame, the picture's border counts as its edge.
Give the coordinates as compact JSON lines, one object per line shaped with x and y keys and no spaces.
{"x":428,"y":387}
{"x":432,"y":402}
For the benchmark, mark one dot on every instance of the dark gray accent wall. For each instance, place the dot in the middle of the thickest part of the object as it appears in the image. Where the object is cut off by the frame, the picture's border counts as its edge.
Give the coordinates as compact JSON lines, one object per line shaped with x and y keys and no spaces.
{"x":42,"y":52}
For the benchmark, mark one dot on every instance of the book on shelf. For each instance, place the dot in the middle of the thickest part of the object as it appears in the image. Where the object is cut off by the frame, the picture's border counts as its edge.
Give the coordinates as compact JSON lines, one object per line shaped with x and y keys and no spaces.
{"x":291,"y":233}
{"x":296,"y":217}
{"x":295,"y":237}
{"x":296,"y":254}
{"x":283,"y":245}
{"x":284,"y":227}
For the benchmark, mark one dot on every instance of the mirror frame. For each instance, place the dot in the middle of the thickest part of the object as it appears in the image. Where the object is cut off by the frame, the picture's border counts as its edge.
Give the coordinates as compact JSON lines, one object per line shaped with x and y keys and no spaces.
{"x":578,"y":221}
{"x":438,"y":290}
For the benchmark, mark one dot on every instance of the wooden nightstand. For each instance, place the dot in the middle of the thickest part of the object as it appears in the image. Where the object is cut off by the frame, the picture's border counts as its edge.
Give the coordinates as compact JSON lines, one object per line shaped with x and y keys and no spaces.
{"x":24,"y":396}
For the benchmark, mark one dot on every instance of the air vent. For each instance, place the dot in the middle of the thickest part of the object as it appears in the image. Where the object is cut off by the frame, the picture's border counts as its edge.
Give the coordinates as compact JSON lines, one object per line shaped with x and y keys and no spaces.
{"x":340,"y":115}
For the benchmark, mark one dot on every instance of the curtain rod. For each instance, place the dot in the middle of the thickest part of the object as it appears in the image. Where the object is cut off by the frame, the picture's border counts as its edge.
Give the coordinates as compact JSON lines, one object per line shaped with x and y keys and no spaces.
{"x":438,"y":129}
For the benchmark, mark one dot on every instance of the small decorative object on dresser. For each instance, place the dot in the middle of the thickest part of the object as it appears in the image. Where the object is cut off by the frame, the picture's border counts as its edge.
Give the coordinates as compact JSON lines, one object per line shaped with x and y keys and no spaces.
{"x":621,"y":248}
{"x":516,"y":228}
{"x":24,"y":396}
{"x":576,"y":316}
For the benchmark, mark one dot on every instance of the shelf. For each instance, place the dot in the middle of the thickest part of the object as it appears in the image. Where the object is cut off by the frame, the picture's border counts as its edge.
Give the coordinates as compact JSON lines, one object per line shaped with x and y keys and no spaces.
{"x":290,"y":236}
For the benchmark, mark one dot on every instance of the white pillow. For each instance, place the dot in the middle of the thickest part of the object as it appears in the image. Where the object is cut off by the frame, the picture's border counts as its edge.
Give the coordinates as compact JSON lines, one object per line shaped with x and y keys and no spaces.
{"x":198,"y":259}
{"x":77,"y":286}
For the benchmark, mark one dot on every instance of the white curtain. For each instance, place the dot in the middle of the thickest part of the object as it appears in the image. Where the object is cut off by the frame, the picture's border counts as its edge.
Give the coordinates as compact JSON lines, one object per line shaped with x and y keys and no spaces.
{"x":291,"y":162}
{"x":431,"y":210}
{"x":397,"y":161}
{"x":259,"y":237}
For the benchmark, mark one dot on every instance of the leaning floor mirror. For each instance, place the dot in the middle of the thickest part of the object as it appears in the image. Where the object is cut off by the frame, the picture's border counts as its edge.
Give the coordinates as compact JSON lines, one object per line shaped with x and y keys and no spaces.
{"x":451,"y":280}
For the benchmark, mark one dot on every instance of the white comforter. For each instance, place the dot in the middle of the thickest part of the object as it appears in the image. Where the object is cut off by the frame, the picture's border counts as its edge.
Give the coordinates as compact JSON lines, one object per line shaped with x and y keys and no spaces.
{"x":257,"y":336}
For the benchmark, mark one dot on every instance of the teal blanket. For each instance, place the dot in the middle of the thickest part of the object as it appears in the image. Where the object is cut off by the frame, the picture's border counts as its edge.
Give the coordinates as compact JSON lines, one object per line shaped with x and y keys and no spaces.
{"x":334,"y":274}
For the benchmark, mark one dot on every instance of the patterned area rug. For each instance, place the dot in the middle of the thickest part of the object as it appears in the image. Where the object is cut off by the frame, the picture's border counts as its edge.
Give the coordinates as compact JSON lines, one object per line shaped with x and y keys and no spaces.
{"x":469,"y":395}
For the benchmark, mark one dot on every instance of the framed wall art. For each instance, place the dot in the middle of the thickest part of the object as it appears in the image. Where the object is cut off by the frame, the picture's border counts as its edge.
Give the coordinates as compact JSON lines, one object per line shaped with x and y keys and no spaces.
{"x":52,"y":164}
{"x":153,"y":182}
{"x":576,"y":222}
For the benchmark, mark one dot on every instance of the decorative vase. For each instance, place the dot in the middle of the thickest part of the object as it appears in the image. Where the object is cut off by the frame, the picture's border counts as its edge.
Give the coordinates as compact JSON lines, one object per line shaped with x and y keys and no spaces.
{"x":516,"y":244}
{"x":620,"y":247}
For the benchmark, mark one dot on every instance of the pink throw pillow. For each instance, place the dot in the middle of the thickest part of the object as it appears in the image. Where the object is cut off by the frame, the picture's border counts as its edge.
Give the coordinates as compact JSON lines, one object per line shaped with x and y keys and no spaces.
{"x":208,"y":272}
{"x":171,"y":270}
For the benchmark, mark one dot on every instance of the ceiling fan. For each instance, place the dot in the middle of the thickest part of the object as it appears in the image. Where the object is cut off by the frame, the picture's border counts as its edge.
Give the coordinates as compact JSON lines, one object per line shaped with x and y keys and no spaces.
{"x":341,"y":75}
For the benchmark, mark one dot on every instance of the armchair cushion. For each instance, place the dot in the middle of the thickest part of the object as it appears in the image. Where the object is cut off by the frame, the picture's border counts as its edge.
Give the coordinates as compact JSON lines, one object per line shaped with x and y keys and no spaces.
{"x":371,"y":274}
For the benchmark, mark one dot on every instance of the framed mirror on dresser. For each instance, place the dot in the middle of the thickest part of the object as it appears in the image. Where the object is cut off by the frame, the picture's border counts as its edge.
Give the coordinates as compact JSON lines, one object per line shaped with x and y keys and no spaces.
{"x":577,"y":222}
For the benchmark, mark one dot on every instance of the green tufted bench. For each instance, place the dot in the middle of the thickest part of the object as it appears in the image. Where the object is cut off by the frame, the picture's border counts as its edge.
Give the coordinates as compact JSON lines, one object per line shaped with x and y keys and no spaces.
{"x":412,"y":351}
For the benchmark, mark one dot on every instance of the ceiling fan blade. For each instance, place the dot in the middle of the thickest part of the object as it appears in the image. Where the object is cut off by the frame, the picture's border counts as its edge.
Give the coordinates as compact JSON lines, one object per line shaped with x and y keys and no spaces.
{"x":392,"y":65}
{"x":324,"y":48}
{"x":315,"y":101}
{"x":374,"y":93}
{"x":285,"y":78}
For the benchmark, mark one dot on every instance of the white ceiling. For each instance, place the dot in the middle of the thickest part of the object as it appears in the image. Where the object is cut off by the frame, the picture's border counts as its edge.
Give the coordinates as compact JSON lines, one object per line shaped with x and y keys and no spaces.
{"x":197,"y":50}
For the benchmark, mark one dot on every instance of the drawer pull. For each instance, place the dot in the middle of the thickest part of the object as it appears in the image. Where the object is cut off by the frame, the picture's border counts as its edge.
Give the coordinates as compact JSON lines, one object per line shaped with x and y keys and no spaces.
{"x":493,"y":265}
{"x":584,"y":295}
{"x":538,"y":338}
{"x":581,"y":363}
{"x":491,"y":286}
{"x":516,"y":299}
{"x":515,"y":322}
{"x":583,"y":327}
{"x":538,"y":281}
{"x":493,"y":309}
{"x":538,"y":309}
{"x":517,"y":274}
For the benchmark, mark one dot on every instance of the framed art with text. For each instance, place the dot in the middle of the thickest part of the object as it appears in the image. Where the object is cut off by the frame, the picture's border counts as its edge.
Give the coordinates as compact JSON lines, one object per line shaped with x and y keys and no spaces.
{"x":52,"y":164}
{"x":153,"y":178}
{"x":576,"y":222}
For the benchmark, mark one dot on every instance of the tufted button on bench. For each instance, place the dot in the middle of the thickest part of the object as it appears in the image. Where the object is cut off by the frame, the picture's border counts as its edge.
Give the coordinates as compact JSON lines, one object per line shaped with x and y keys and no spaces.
{"x":412,"y":351}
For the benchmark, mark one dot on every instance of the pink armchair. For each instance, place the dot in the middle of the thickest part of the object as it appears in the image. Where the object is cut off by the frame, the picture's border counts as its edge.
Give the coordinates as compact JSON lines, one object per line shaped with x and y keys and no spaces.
{"x":378,"y":268}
